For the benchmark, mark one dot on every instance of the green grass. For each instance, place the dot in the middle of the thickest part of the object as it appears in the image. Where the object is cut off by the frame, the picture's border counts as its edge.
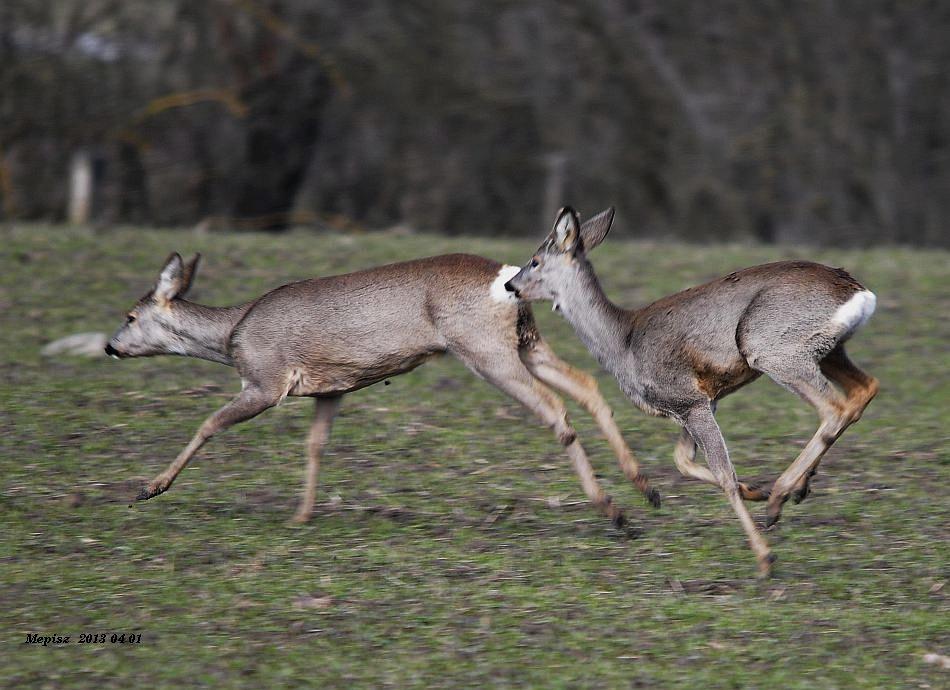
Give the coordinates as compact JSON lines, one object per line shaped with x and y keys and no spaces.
{"x":452,"y":546}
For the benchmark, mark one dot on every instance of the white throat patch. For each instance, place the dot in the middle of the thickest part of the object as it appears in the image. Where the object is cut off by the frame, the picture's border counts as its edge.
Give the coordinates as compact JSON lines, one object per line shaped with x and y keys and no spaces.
{"x":498,"y":291}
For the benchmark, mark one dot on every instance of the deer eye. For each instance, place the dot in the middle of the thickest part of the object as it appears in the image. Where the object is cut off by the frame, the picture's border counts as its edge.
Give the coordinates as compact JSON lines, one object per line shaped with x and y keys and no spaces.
{"x":130,"y":318}
{"x":535,"y":263}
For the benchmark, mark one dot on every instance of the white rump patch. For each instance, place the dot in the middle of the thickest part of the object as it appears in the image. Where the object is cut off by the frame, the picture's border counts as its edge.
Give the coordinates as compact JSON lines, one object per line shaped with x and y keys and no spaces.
{"x":853,"y":313}
{"x":498,"y":291}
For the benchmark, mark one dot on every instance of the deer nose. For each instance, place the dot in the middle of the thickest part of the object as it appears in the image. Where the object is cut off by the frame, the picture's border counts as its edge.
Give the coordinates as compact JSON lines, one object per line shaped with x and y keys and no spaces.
{"x":111,"y":351}
{"x":511,"y":288}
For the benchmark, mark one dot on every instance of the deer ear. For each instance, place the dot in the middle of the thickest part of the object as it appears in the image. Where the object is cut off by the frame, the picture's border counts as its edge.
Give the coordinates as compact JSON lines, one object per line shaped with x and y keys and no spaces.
{"x":170,"y":279}
{"x":595,"y":229}
{"x":566,"y":230}
{"x":188,"y":275}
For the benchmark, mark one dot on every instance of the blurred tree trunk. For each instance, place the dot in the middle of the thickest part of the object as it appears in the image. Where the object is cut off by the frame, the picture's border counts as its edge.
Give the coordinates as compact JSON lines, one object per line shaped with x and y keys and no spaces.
{"x":133,"y":205}
{"x":283,"y":125}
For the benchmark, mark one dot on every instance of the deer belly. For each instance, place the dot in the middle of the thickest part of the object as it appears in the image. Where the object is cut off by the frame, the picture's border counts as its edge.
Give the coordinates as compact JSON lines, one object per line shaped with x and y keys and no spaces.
{"x":342,"y":377}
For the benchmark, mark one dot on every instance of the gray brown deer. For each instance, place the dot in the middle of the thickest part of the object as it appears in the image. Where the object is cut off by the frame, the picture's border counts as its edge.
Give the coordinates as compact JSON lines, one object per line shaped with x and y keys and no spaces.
{"x":328,"y":336}
{"x":680,"y":355}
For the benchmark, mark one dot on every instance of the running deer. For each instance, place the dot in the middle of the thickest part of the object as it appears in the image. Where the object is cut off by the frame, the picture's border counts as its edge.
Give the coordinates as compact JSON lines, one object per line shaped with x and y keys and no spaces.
{"x":678,"y":356}
{"x":325,"y":337}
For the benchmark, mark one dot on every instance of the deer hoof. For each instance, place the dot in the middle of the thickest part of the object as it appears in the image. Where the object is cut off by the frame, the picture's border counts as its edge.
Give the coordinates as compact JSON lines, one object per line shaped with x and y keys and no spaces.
{"x":803,"y":491}
{"x":150,"y":491}
{"x":772,"y":516}
{"x":300,"y":518}
{"x":651,"y":494}
{"x":751,"y":492}
{"x":765,"y":565}
{"x":774,"y":512}
{"x":617,"y":518}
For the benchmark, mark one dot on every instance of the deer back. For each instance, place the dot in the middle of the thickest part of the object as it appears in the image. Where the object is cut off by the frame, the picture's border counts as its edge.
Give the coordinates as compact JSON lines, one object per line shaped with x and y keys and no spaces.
{"x":344,"y":332}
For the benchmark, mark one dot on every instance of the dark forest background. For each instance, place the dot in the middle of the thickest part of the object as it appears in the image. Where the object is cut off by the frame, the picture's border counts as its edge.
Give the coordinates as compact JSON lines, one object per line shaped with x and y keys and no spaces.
{"x":813,"y":121}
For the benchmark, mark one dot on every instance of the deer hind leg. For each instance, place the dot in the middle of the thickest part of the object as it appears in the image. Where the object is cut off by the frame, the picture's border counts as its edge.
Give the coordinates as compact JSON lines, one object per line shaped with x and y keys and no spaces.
{"x":859,"y":390}
{"x":684,"y":454}
{"x":701,"y":425}
{"x":249,"y":403}
{"x":543,"y":363}
{"x":858,"y":387}
{"x":506,"y":372}
{"x":325,"y":410}
{"x":836,"y":412}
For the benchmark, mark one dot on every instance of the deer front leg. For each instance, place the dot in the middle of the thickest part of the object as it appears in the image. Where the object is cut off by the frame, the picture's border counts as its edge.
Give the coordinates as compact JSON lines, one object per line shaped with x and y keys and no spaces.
{"x":249,"y":403}
{"x":509,"y":374}
{"x":326,"y":409}
{"x":582,"y":387}
{"x":684,"y":454}
{"x":603,"y":502}
{"x":702,"y":426}
{"x":552,"y":411}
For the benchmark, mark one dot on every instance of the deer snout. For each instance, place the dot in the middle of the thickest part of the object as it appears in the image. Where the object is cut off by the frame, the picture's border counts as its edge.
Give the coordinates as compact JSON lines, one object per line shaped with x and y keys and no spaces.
{"x":511,"y":288}
{"x":112,"y":352}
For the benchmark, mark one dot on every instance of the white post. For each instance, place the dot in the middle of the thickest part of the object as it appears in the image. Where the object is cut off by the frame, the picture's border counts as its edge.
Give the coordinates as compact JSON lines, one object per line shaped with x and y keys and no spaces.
{"x":80,"y":187}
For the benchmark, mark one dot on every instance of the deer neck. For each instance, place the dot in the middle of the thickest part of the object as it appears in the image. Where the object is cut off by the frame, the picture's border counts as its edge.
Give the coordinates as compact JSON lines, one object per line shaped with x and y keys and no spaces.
{"x":598,"y":322}
{"x":205,"y":332}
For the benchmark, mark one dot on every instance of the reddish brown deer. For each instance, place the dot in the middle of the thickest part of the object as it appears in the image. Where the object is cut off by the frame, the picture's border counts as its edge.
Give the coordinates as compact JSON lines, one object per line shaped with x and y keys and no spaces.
{"x":328,"y":336}
{"x":678,"y":356}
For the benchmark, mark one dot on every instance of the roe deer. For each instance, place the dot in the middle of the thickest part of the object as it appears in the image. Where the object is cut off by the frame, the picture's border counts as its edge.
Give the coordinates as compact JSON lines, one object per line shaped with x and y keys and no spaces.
{"x":678,"y":356}
{"x":328,"y":336}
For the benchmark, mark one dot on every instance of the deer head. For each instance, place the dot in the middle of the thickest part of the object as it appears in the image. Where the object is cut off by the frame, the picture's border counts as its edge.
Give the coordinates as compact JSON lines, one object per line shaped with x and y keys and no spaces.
{"x":559,"y":254}
{"x":150,"y":326}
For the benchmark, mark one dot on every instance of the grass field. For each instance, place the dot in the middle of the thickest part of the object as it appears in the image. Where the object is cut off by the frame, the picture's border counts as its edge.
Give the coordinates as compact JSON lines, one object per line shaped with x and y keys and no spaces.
{"x":452,"y":546}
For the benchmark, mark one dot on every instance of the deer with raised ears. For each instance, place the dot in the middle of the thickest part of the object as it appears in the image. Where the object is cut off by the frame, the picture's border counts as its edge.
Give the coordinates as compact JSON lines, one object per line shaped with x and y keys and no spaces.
{"x":678,"y":356}
{"x":328,"y":336}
